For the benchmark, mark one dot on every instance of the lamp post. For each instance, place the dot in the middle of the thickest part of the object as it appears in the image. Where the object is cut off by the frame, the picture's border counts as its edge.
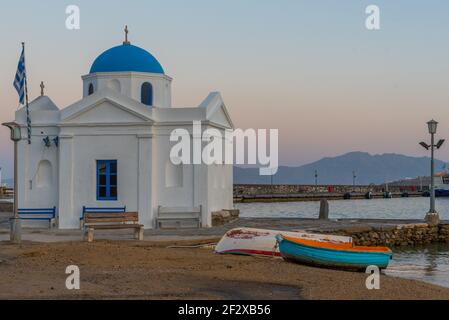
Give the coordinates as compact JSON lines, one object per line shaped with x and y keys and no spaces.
{"x":432,"y":216}
{"x":16,"y":230}
{"x":354,"y":176}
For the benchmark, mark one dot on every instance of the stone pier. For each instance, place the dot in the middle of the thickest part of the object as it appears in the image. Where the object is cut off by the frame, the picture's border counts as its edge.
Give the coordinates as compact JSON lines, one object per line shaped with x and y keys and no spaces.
{"x":296,"y":193}
{"x":400,"y":235}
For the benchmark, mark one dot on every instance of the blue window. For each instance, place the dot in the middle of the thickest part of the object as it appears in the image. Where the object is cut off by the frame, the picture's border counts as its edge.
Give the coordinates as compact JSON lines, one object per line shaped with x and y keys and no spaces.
{"x":146,"y":94}
{"x":106,"y":180}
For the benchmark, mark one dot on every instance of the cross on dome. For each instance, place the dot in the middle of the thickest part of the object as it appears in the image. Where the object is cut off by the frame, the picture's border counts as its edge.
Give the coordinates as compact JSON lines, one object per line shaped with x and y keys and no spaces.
{"x":126,"y":35}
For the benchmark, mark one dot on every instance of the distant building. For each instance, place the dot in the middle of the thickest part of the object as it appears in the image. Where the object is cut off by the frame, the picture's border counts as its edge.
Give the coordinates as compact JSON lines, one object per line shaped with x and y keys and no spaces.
{"x":422,"y":183}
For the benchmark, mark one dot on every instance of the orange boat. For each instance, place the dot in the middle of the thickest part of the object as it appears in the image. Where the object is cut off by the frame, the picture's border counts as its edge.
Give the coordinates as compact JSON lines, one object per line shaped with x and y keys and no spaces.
{"x":332,"y":255}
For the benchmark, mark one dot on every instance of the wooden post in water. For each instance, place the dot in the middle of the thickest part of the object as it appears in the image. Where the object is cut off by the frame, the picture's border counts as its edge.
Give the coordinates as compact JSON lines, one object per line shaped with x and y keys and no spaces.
{"x":324,"y":210}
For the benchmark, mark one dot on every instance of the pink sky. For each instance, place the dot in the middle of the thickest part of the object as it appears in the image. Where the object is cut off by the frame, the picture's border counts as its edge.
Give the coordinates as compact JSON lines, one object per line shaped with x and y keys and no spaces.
{"x":329,"y":85}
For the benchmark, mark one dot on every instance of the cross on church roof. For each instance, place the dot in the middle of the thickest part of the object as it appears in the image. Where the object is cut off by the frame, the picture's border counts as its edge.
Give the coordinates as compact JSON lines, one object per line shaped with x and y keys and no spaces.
{"x":126,"y":35}
{"x":42,"y":88}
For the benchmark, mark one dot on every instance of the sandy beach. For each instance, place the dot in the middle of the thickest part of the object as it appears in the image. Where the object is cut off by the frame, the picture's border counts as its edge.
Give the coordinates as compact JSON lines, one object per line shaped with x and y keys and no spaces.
{"x":152,"y":270}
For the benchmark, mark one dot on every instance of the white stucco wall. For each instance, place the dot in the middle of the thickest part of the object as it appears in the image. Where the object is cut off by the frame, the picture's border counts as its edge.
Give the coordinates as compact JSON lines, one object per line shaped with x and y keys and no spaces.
{"x":130,"y":85}
{"x":219,"y":193}
{"x":207,"y":185}
{"x":38,"y":170}
{"x":166,"y":194}
{"x":80,"y":149}
{"x":220,"y":182}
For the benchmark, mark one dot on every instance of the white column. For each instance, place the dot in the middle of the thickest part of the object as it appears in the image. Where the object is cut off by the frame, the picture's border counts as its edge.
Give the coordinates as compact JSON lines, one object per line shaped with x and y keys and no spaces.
{"x":201,"y":187}
{"x":68,"y":219}
{"x":146,"y":216}
{"x":22,"y":168}
{"x":201,"y":178}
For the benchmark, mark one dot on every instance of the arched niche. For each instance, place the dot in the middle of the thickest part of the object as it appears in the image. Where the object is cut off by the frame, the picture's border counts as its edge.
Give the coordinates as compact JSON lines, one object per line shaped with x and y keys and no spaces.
{"x":44,"y":177}
{"x":115,"y":85}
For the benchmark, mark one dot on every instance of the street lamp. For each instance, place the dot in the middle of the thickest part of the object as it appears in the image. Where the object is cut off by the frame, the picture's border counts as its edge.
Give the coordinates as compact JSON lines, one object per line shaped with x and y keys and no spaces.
{"x":432,"y":124}
{"x":16,"y":230}
{"x":432,"y":216}
{"x":354,"y":176}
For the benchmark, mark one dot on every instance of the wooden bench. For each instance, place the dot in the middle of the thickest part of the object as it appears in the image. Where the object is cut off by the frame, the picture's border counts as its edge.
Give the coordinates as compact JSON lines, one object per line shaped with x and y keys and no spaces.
{"x":176,"y":215}
{"x":100,"y":210}
{"x":112,"y":221}
{"x":40,"y":214}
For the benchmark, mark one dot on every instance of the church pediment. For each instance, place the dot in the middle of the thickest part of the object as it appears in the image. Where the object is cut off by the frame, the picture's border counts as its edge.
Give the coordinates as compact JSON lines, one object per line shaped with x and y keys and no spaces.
{"x":220,"y":117}
{"x":216,"y":110}
{"x":104,"y":110}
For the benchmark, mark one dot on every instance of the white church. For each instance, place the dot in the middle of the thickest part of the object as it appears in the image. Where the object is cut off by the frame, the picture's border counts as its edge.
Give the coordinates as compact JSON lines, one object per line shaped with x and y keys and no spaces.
{"x":112,"y":149}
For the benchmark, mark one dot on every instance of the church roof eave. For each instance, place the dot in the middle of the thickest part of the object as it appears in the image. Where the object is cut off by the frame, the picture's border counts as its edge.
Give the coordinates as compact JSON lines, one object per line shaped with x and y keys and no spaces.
{"x":42,"y":110}
{"x":125,"y":74}
{"x":121,"y":101}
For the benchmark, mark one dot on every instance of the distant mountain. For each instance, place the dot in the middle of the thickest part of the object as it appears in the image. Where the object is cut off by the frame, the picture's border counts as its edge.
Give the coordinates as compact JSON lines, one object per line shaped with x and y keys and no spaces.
{"x":369,"y":169}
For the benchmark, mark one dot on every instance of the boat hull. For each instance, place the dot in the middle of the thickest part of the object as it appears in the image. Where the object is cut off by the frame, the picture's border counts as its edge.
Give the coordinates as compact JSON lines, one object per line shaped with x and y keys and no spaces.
{"x":441,"y":193}
{"x":332,"y":258}
{"x":251,"y":241}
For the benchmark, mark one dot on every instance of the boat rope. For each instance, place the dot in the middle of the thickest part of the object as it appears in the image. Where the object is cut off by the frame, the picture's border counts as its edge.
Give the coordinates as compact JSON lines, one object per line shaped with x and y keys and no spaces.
{"x":276,"y":246}
{"x":206,"y":245}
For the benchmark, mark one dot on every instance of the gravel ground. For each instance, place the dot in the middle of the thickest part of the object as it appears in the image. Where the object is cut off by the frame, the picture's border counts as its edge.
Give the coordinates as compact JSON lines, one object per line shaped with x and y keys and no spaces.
{"x":150,"y":270}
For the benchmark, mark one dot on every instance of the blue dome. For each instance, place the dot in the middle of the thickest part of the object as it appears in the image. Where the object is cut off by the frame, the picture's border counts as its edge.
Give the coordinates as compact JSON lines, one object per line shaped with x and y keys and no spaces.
{"x":126,"y":57}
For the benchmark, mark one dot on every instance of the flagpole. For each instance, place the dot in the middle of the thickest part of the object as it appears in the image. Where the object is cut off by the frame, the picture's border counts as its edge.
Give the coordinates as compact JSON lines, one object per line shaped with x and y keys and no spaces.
{"x":26,"y":101}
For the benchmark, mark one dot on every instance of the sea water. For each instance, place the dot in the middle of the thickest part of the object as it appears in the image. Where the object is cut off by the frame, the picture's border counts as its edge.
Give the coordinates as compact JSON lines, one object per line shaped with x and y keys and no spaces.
{"x":428,"y":263}
{"x":396,"y":208}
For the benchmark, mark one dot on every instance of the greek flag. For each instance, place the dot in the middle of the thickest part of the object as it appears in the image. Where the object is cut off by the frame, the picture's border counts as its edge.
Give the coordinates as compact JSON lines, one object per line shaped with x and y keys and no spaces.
{"x":20,"y":83}
{"x":20,"y":79}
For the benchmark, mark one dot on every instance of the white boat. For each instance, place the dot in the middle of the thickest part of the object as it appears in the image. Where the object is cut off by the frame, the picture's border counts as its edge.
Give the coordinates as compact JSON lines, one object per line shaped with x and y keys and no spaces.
{"x":442,"y":185}
{"x":249,"y":241}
